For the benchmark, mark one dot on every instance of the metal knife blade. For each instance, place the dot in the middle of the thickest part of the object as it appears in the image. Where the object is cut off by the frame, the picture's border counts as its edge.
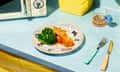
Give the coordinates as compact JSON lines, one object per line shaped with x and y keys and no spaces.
{"x":110,"y":47}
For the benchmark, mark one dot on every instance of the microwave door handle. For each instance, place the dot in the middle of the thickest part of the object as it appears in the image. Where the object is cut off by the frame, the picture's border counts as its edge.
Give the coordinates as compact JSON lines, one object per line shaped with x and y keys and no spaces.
{"x":25,"y":8}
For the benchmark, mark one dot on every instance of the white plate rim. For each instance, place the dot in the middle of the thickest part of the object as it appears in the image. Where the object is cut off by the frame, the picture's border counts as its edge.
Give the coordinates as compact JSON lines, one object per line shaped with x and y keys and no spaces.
{"x":51,"y":25}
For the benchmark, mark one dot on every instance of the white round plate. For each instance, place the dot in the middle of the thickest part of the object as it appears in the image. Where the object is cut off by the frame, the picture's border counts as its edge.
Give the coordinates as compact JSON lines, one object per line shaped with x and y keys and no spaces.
{"x":74,"y":32}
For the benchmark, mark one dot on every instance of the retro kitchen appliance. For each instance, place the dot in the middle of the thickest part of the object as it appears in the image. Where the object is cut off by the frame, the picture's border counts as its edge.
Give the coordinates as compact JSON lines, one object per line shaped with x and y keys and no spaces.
{"x":22,"y":8}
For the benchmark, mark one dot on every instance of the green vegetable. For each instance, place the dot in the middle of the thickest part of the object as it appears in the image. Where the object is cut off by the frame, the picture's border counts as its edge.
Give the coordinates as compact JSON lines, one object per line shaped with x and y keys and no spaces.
{"x":47,"y":36}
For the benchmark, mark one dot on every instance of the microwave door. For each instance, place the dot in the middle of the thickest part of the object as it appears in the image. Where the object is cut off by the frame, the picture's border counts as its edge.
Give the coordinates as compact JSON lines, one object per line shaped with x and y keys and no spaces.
{"x":12,"y":6}
{"x":12,"y":9}
{"x":23,"y":8}
{"x":4,"y":2}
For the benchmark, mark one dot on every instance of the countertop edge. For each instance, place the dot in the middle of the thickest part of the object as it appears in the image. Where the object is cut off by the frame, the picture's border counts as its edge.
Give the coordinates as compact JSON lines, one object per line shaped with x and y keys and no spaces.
{"x":37,"y":60}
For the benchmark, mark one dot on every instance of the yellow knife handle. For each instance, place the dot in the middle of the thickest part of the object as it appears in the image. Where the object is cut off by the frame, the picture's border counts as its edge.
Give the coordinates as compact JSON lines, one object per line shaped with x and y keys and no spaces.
{"x":105,"y":62}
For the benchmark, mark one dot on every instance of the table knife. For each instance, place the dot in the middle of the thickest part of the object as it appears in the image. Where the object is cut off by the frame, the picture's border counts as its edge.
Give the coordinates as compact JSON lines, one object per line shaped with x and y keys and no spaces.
{"x":106,"y":58}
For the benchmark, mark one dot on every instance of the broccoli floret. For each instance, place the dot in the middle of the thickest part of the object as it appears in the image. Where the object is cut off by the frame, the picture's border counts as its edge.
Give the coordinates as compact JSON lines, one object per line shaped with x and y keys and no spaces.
{"x":47,"y":36}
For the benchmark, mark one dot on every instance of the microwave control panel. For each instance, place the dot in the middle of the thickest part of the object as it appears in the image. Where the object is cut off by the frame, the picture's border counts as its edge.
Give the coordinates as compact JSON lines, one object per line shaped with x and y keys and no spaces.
{"x":36,"y":7}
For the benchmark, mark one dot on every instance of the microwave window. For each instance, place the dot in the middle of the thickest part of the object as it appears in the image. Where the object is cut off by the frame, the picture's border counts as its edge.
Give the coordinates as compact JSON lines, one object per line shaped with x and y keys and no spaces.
{"x":7,"y":6}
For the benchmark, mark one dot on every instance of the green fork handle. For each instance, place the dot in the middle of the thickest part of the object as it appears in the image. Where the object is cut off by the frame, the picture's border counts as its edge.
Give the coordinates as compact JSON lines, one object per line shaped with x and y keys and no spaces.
{"x":90,"y":58}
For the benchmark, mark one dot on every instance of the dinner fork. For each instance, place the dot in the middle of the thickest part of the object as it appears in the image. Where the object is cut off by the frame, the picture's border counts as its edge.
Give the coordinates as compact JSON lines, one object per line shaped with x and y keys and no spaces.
{"x":100,"y":45}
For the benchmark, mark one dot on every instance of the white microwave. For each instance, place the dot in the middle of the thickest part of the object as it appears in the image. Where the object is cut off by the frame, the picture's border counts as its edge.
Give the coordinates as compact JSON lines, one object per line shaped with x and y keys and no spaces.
{"x":10,"y":9}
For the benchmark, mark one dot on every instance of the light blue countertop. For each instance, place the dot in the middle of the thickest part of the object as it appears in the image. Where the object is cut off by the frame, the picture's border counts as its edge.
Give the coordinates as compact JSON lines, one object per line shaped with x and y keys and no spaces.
{"x":16,"y":35}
